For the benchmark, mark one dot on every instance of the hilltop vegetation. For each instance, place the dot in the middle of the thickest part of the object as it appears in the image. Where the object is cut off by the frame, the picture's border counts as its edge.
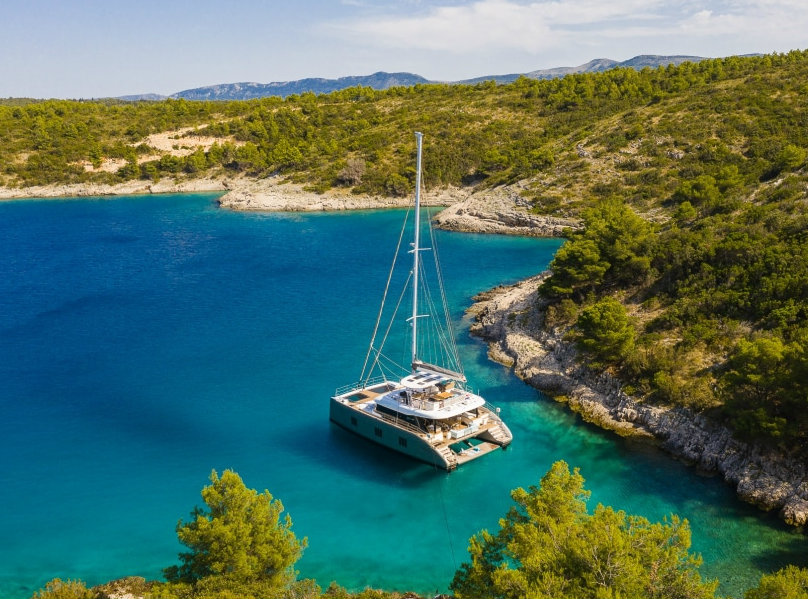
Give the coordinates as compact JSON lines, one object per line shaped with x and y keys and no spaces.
{"x":690,"y":279}
{"x":480,"y":133}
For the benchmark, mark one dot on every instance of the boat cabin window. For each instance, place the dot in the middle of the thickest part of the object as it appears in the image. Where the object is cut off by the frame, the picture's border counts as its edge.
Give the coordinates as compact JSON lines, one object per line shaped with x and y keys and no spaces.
{"x":396,"y":415}
{"x":377,"y":431}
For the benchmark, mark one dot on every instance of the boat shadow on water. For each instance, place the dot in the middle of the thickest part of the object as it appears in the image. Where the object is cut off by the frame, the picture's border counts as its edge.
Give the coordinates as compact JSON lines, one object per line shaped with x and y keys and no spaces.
{"x":351,"y":454}
{"x":338,"y":450}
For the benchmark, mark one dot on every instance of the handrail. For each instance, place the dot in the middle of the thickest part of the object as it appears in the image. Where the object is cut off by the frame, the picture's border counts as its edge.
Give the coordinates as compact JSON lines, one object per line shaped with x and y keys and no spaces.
{"x":493,"y":409}
{"x":360,"y":385}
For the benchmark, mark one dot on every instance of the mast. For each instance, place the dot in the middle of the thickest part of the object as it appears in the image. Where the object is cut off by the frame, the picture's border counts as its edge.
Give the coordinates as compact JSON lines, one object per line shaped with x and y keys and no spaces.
{"x":415,"y":250}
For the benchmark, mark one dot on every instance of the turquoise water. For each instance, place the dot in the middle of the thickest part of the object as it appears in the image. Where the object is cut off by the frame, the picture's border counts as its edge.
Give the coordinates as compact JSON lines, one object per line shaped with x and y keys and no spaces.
{"x":145,"y":341}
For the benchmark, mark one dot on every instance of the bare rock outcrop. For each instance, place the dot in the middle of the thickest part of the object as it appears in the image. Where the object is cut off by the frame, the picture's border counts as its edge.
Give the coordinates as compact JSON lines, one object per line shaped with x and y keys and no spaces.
{"x":500,"y":210}
{"x":511,"y":320}
{"x":275,"y":195}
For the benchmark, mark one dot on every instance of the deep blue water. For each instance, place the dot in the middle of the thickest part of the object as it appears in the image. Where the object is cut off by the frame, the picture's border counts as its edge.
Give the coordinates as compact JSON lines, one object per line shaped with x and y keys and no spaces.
{"x":145,"y":341}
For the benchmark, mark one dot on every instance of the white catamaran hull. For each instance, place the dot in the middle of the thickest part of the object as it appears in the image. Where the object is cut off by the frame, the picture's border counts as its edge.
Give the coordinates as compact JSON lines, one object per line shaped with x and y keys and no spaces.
{"x":445,"y":449}
{"x":386,"y":434}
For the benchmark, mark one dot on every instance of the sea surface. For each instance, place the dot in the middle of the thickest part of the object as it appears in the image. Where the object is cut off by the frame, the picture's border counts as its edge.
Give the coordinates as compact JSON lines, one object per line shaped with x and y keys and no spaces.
{"x":145,"y":341}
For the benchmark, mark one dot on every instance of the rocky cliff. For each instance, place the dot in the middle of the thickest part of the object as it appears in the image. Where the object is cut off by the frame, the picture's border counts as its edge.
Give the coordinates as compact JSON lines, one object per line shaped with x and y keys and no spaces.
{"x":512,"y":321}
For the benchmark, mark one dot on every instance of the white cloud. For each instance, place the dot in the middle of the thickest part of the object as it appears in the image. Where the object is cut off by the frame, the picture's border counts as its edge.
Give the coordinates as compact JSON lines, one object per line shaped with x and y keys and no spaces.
{"x":778,"y":24}
{"x":492,"y":24}
{"x":533,"y":27}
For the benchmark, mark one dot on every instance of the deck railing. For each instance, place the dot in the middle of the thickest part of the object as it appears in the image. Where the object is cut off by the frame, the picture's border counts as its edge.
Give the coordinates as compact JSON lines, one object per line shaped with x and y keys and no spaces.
{"x":493,"y":409}
{"x":359,"y":385}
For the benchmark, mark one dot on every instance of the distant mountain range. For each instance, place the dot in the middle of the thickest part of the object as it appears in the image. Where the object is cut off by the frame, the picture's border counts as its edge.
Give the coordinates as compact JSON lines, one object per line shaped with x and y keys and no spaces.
{"x":382,"y":80}
{"x":248,"y":91}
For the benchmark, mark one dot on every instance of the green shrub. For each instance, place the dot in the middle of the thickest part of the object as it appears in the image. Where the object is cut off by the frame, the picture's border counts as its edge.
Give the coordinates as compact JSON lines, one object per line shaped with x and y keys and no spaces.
{"x":605,"y":332}
{"x":64,"y":589}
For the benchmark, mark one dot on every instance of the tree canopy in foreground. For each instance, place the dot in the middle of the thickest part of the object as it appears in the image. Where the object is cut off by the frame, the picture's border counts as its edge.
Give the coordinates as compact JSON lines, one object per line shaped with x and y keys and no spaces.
{"x":791,"y":582}
{"x":239,"y":537}
{"x":549,"y":545}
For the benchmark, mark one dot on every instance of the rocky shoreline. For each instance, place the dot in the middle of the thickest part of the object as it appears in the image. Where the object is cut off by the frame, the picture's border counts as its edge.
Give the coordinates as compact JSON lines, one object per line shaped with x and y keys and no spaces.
{"x":500,"y":210}
{"x":103,"y":189}
{"x":510,"y":319}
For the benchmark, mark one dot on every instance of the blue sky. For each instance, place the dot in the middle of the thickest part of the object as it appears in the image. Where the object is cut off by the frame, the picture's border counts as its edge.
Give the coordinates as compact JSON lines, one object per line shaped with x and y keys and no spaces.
{"x":95,"y":48}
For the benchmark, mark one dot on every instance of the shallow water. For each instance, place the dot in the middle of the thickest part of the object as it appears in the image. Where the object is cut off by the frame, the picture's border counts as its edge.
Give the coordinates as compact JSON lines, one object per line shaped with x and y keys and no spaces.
{"x":147,"y":340}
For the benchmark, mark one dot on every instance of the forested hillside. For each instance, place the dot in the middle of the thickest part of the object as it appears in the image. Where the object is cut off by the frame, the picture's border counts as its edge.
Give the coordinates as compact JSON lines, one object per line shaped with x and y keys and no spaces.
{"x":691,"y":277}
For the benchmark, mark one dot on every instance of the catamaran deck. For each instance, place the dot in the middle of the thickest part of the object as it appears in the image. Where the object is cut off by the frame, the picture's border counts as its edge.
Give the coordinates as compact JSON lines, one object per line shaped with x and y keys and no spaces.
{"x":472,"y":453}
{"x":456,"y":439}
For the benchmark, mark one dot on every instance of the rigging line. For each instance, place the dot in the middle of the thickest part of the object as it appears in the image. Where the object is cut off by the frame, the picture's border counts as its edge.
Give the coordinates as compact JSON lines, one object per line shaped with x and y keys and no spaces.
{"x":445,"y":514}
{"x":444,"y":303}
{"x":449,"y":331}
{"x":389,"y":360}
{"x":446,"y":340}
{"x":440,"y":328}
{"x":448,"y":530}
{"x":450,"y":327}
{"x":435,"y":332}
{"x":390,"y":324}
{"x":433,"y":323}
{"x":384,"y":368}
{"x":393,"y":363}
{"x":427,"y":338}
{"x":384,"y":297}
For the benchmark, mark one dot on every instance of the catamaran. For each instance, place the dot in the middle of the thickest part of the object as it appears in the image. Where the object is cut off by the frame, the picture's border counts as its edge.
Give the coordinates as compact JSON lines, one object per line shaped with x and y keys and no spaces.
{"x":425,"y":410}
